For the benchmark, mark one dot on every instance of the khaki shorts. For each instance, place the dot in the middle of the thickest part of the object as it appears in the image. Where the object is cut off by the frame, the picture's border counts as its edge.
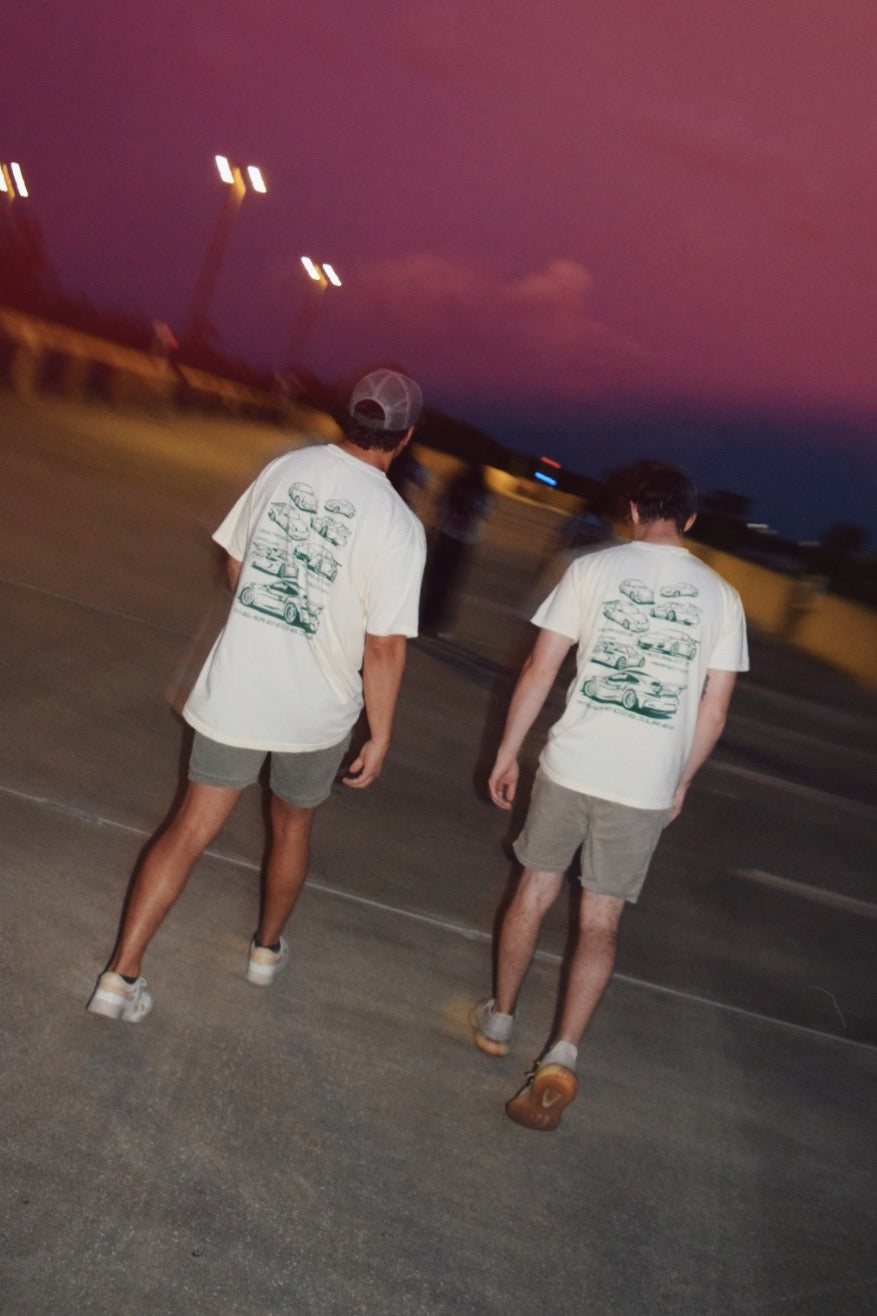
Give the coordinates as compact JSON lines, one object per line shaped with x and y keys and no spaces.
{"x":617,"y":841}
{"x":303,"y":780}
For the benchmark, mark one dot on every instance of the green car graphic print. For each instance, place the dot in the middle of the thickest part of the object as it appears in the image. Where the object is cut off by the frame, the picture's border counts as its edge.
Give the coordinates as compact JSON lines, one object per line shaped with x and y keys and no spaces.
{"x":282,"y":598}
{"x":635,"y":691}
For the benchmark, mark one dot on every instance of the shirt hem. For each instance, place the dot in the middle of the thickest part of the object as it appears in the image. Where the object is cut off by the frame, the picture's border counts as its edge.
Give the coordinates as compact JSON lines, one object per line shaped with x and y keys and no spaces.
{"x":601,"y":794}
{"x":268,"y":747}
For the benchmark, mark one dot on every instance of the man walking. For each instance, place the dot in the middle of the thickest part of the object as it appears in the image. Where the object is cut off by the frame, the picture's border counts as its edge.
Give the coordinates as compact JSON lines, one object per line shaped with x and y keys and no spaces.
{"x":660,"y":638}
{"x":325,"y":562}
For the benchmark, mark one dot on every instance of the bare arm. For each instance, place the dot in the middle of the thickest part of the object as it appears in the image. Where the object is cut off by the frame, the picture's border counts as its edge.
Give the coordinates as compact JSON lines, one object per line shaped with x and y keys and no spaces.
{"x":537,"y":677}
{"x":382,"y":667}
{"x":232,"y":571}
{"x":711,"y":717}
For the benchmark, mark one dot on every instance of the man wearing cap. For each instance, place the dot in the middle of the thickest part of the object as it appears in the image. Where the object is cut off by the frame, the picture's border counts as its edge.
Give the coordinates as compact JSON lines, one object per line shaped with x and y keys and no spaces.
{"x":325,"y":563}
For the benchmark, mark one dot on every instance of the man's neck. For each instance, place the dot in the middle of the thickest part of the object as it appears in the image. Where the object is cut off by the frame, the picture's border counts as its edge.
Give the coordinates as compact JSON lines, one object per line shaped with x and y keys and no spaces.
{"x":661,"y":533}
{"x":377,"y":457}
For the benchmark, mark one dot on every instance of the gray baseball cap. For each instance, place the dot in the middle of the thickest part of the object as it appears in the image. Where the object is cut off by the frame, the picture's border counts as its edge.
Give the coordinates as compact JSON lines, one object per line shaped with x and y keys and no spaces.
{"x":398,"y":397}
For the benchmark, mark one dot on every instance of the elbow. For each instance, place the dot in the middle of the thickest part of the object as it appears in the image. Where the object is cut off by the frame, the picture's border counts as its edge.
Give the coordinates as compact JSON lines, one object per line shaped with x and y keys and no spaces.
{"x":386,"y":648}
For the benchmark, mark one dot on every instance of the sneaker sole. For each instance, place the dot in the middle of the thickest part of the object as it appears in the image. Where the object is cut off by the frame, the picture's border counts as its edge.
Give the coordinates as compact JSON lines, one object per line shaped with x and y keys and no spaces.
{"x":109,"y":1006}
{"x":541,"y":1104}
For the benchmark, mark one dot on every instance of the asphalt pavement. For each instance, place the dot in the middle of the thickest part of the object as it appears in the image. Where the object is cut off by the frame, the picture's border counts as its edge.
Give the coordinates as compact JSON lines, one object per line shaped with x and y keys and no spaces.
{"x":335,"y":1144}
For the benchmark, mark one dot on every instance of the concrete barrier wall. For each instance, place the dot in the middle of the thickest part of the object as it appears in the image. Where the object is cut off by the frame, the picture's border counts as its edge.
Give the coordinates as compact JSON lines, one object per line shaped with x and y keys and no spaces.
{"x":837,"y":632}
{"x":834,"y":630}
{"x":82,"y":364}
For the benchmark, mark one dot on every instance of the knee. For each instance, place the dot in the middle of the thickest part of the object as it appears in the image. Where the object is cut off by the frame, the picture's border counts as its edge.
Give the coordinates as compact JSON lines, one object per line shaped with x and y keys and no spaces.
{"x":599,"y":917}
{"x":537,"y":892}
{"x":289,"y":819}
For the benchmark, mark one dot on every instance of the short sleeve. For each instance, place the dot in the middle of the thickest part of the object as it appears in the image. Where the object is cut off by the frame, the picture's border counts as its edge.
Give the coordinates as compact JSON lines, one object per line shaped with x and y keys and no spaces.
{"x":731,"y":653}
{"x":393,"y":603}
{"x":233,"y":532}
{"x":561,"y":611}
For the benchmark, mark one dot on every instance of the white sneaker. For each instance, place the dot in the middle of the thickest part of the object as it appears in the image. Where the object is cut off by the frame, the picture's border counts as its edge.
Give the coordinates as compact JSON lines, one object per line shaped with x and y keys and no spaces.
{"x":265,"y":964}
{"x":114,"y":998}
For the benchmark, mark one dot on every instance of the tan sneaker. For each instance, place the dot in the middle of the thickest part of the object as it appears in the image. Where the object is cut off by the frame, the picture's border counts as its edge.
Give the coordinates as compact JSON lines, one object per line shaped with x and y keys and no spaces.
{"x":265,"y":964}
{"x":114,"y":998}
{"x":544,"y":1097}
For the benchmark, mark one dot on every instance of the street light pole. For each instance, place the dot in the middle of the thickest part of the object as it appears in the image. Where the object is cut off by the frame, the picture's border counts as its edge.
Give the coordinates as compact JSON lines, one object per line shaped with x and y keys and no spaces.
{"x":320,"y":278}
{"x":197,"y":325}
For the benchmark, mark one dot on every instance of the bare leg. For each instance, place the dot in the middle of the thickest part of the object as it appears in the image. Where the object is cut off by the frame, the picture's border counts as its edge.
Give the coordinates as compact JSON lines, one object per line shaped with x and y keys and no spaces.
{"x":286,"y":869}
{"x":535,"y":895}
{"x":592,"y":964}
{"x":166,"y":870}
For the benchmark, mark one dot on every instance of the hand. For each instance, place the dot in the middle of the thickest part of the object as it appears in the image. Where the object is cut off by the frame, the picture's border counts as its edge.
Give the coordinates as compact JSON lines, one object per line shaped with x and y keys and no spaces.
{"x":503,"y":781}
{"x":678,"y":801}
{"x":366,"y":767}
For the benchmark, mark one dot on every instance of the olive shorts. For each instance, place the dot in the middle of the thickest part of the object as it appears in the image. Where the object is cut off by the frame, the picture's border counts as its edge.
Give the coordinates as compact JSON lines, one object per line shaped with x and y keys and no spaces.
{"x":301,"y":779}
{"x":617,"y":841}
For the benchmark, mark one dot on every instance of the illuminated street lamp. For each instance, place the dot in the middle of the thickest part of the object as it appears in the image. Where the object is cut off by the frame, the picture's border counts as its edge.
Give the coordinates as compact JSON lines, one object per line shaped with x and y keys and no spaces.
{"x":236,"y":189}
{"x":12,"y":181}
{"x":321,"y":277}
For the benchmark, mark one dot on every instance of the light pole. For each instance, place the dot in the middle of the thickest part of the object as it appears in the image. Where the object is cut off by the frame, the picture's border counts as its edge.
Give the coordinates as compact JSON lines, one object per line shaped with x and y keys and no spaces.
{"x":236,"y":189}
{"x":320,"y":278}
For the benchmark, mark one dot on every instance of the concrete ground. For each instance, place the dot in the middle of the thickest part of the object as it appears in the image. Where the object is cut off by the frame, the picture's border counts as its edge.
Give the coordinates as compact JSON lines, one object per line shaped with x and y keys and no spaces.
{"x":336,"y":1144}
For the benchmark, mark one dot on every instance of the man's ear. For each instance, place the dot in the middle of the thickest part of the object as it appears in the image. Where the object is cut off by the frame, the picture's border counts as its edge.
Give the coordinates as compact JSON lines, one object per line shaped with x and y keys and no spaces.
{"x":689,"y":523}
{"x":634,"y":513}
{"x":403,"y":443}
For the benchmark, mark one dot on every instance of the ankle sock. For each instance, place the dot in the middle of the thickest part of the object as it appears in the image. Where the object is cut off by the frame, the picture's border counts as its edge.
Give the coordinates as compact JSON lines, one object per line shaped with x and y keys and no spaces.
{"x":562,"y":1053}
{"x":275,"y":949}
{"x":129,"y":981}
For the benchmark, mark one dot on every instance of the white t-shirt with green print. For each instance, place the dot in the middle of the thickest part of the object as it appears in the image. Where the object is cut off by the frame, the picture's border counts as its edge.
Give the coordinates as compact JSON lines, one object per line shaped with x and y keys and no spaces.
{"x":329,"y":553}
{"x":649,"y":621}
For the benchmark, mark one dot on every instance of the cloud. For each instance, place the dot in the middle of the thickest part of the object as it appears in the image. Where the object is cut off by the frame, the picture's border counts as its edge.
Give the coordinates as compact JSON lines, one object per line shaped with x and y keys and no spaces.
{"x":468,"y":328}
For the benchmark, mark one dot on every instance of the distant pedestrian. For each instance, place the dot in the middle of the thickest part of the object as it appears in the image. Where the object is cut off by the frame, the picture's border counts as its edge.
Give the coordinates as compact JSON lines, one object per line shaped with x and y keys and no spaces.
{"x":462,"y":510}
{"x":325,"y":562}
{"x":410,"y":479}
{"x":660,"y":638}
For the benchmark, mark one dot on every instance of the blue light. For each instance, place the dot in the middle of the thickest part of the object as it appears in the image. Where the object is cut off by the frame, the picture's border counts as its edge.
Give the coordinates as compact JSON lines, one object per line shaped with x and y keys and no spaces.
{"x":546,"y":479}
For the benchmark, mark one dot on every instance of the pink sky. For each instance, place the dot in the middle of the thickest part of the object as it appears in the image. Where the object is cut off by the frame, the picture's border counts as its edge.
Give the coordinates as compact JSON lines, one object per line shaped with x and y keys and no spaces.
{"x":530,"y":204}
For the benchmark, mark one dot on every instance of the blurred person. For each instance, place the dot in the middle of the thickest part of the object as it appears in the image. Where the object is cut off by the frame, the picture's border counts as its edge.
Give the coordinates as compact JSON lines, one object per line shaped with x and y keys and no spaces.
{"x":462,"y":509}
{"x":410,"y":479}
{"x":582,"y":532}
{"x":660,"y":638}
{"x":325,"y":562}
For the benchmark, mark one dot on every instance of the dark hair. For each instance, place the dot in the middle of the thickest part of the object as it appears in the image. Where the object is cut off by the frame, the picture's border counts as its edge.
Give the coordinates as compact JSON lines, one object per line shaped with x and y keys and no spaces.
{"x":661,"y":492}
{"x":364,"y":435}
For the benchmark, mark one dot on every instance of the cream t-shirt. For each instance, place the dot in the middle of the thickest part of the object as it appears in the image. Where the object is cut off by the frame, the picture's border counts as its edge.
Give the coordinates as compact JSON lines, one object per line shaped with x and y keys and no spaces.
{"x":329,"y":553}
{"x":649,"y":621}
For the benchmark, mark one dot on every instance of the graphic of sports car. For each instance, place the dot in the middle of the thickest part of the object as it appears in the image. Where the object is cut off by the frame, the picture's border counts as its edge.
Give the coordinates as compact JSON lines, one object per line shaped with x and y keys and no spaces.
{"x":303,"y":496}
{"x":682,"y":587}
{"x":634,"y":691}
{"x":624,"y":615}
{"x":322,"y":563}
{"x":685,"y":612}
{"x":282,"y":598}
{"x":615,"y":653}
{"x":271,"y":558}
{"x":637,"y":591}
{"x":282,"y":514}
{"x":673,"y":644}
{"x":340,"y":506}
{"x":335,"y":531}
